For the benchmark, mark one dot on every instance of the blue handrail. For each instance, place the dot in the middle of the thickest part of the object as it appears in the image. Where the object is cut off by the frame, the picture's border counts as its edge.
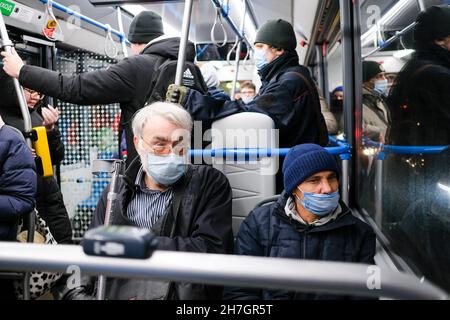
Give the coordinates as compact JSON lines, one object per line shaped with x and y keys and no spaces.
{"x":255,"y":152}
{"x":404,"y":149}
{"x":93,"y":22}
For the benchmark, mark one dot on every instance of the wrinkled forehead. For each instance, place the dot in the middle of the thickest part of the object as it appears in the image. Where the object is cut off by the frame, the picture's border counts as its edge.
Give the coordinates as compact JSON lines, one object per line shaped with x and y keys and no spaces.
{"x":160,"y":128}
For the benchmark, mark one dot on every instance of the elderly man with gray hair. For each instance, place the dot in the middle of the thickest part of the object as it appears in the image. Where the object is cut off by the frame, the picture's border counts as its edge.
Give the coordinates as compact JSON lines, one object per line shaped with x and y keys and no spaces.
{"x":187,"y":206}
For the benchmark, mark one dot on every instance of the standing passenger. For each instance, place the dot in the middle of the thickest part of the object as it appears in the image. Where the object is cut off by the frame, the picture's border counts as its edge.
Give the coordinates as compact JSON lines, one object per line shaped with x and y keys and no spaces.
{"x":17,"y":189}
{"x":287,"y":95}
{"x":128,"y":82}
{"x":49,"y":199}
{"x":375,"y":114}
{"x":420,"y":96}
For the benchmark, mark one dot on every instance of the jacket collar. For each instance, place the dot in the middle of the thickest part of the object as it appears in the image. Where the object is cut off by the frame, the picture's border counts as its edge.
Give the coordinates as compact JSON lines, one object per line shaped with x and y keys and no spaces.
{"x":288,"y":59}
{"x":345,"y":218}
{"x":434,"y":53}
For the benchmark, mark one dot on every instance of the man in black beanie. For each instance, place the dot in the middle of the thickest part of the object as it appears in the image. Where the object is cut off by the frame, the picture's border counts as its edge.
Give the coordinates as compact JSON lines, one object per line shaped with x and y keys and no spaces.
{"x":375,"y":111}
{"x":288,"y":94}
{"x":127,"y":82}
{"x":421,"y":91}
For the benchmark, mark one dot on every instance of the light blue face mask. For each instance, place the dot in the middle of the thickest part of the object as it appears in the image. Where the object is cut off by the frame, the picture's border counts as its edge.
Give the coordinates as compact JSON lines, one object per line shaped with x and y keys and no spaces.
{"x":246,"y":99}
{"x":165,"y":170}
{"x":319,"y":204}
{"x":381,"y":86}
{"x":260,"y":58}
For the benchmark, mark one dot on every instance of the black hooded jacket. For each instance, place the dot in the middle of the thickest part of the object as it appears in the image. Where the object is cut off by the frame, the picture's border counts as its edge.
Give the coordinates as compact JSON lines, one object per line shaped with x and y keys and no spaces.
{"x":284,"y":96}
{"x":269,"y":232}
{"x":420,"y":99}
{"x":127,"y":82}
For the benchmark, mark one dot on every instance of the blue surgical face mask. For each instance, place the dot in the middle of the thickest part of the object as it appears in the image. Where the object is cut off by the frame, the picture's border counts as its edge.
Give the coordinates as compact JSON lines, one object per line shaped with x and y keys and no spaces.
{"x":381,"y":86}
{"x":246,"y":99}
{"x":319,"y":204}
{"x":165,"y":170}
{"x":260,"y":57}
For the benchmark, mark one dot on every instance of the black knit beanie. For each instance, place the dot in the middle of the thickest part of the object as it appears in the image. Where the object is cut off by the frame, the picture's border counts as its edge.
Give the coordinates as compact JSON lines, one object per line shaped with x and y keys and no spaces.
{"x":371,"y":69}
{"x":278,"y":34}
{"x":145,"y":27}
{"x":432,"y":24}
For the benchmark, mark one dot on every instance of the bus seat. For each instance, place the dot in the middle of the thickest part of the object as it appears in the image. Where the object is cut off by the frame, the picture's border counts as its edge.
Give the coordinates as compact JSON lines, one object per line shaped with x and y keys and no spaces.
{"x":252,"y":179}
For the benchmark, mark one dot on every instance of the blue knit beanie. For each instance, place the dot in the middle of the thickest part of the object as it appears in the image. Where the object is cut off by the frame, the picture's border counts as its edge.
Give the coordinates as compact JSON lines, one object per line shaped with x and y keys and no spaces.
{"x":303,"y":161}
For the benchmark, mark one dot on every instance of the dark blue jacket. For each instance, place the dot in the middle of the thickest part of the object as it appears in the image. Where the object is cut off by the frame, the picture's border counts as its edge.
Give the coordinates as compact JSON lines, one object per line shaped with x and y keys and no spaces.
{"x":17,"y":182}
{"x":218,"y":93}
{"x":283,"y":96}
{"x":269,"y":232}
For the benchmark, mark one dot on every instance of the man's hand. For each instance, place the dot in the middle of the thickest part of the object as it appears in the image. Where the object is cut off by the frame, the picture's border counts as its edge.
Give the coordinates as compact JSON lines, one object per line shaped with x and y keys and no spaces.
{"x":51,"y":116}
{"x":176,"y":94}
{"x":12,"y":63}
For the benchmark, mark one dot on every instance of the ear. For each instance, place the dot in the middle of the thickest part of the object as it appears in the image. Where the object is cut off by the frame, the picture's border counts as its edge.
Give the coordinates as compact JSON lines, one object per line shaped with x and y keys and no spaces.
{"x":280,"y":52}
{"x":136,"y":143}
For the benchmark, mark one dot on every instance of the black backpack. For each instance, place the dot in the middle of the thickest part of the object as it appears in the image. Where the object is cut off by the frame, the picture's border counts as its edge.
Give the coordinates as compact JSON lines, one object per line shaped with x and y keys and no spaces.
{"x":165,"y":76}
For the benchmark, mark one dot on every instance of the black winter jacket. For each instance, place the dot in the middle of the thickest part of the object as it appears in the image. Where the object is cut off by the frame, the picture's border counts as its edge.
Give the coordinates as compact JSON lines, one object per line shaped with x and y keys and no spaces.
{"x":127,"y":82}
{"x":283,"y":96}
{"x":420,"y":100}
{"x":269,"y":232}
{"x":198,"y":220}
{"x":17,"y":182}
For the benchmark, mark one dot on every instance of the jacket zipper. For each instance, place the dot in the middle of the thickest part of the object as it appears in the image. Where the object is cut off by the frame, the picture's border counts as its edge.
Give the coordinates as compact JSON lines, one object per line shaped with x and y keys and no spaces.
{"x":304,"y":245}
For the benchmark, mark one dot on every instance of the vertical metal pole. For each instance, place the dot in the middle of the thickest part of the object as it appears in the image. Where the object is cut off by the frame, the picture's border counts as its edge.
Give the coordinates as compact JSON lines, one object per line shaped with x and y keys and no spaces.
{"x":321,"y":53}
{"x":352,"y":71}
{"x":379,"y":189}
{"x":345,"y":178}
{"x":122,"y":39}
{"x":238,"y":53}
{"x":421,"y":4}
{"x":111,"y":199}
{"x":183,"y":42}
{"x":7,"y":45}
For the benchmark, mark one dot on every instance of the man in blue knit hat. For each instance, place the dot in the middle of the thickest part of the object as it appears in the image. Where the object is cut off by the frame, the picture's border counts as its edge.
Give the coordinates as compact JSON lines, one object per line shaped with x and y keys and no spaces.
{"x":308,"y":221}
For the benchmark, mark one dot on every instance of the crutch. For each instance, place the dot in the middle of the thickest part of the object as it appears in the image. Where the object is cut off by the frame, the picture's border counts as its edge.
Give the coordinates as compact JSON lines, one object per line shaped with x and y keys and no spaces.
{"x":116,"y":168}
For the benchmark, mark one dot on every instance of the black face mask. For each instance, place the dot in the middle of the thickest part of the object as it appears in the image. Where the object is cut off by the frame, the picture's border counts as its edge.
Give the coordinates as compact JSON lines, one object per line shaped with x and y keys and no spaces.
{"x":337,"y":105}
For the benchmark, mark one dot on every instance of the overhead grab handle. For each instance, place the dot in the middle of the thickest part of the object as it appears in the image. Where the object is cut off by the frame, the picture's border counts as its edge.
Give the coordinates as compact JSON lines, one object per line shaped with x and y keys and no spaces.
{"x":51,"y":28}
{"x":233,"y":48}
{"x":111,"y":50}
{"x":122,"y":39}
{"x":218,"y":19}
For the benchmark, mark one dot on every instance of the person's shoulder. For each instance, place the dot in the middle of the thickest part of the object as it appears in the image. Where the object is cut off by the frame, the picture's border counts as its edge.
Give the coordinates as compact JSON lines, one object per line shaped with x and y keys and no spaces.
{"x":297,"y":75}
{"x":206,"y":172}
{"x":10,"y":134}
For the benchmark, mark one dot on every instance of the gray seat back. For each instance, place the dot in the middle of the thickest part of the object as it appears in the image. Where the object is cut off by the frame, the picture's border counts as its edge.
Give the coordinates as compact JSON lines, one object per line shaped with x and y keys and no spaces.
{"x":252,"y":179}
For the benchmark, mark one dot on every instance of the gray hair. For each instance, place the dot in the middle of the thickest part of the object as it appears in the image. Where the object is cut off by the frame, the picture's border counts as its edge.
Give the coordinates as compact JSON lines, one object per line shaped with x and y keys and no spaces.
{"x":172,"y":112}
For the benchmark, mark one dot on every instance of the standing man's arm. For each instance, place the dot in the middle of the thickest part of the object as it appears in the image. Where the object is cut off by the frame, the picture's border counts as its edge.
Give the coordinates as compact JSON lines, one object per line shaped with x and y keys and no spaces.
{"x":114,"y":84}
